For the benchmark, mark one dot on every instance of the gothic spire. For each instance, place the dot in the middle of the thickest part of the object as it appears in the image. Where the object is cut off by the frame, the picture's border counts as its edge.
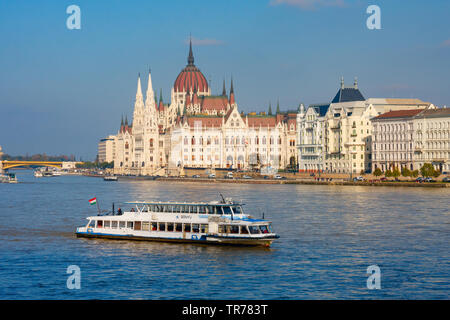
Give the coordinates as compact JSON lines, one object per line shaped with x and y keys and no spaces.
{"x":149,"y":94}
{"x":224,"y":91}
{"x":191,"y":55}
{"x":139,"y":89}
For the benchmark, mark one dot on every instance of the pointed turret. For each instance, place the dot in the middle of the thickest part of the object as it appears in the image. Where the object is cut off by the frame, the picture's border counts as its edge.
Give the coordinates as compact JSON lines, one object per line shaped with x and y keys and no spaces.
{"x":161,"y":104}
{"x":224,"y":90}
{"x":150,"y":95}
{"x":270,"y":109}
{"x":232,"y":100}
{"x":139,"y":89}
{"x":278,"y":106}
{"x":355,"y":84}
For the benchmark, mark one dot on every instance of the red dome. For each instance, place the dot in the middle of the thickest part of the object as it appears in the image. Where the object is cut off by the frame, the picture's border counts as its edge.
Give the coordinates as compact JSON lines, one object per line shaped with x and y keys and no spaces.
{"x":190,"y":77}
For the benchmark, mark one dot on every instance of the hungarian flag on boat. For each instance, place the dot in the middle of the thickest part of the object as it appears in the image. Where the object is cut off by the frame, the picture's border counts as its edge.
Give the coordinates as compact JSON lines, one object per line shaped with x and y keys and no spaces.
{"x":93,"y":201}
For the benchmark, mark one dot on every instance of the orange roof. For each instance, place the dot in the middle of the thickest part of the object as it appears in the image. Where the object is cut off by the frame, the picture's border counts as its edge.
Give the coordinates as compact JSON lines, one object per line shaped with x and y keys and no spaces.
{"x":205,"y":121}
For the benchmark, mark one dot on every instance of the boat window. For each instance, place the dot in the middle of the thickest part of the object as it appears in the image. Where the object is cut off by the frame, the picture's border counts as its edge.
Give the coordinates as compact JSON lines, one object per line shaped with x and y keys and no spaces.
{"x":204,"y":228}
{"x":121,"y":224}
{"x":178,"y":227}
{"x":187,"y":227}
{"x":264,"y":229}
{"x":162,"y":226}
{"x":219,"y":210}
{"x":210,"y":209}
{"x":244,"y":230}
{"x":253,"y":229}
{"x":92,"y":223}
{"x":194,"y":209}
{"x":145,"y":209}
{"x":270,"y":228}
{"x":234,"y":229}
{"x":137,"y":225}
{"x":226,"y":210}
{"x":129,"y":224}
{"x":222,"y":228}
{"x":202,"y":209}
{"x":146,"y":225}
{"x":154,"y":226}
{"x":237,"y":210}
{"x":99,"y":224}
{"x":107,"y":224}
{"x":114,"y":224}
{"x":195,"y":228}
{"x":169,"y":226}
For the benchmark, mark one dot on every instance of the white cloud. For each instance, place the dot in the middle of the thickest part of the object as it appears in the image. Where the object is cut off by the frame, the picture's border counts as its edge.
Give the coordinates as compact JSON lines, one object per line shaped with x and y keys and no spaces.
{"x":205,"y":42}
{"x":309,"y":4}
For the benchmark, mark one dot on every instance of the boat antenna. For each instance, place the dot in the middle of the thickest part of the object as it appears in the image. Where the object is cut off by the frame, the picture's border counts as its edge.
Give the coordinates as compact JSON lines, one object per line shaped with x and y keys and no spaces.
{"x":113,"y":208}
{"x":263,"y":214}
{"x":223,"y":199}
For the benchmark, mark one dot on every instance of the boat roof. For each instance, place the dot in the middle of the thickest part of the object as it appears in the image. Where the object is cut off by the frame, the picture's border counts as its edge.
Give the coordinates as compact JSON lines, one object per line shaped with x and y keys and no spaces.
{"x":212,"y":203}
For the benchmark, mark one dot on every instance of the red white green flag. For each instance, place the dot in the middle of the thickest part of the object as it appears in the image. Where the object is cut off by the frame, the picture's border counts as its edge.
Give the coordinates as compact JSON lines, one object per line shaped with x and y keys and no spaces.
{"x":93,"y":201}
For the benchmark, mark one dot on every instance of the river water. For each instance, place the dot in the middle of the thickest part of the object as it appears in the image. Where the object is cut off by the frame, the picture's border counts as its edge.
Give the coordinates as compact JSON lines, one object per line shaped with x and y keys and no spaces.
{"x":329,"y":237}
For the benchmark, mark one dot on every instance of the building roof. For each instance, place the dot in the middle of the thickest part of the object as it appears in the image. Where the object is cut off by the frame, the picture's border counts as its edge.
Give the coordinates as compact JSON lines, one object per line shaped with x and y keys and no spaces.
{"x":399,"y":114}
{"x":347,"y":95}
{"x":204,"y":121}
{"x":320,"y":109}
{"x":218,"y":103}
{"x":435,"y":113}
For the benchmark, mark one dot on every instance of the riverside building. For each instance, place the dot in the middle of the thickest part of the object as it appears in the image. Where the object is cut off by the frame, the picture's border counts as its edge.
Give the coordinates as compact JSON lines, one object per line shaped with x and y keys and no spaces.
{"x":410,"y":138}
{"x":337,"y":137}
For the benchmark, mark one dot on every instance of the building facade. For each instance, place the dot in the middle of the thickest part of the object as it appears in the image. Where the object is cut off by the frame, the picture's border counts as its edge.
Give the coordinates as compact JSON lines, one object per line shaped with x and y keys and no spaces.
{"x":411,"y":138}
{"x":200,"y":130}
{"x":106,"y":149}
{"x":337,"y":137}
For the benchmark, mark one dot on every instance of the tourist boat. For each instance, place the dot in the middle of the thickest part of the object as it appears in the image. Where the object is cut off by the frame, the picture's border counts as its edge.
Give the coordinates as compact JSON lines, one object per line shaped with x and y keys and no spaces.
{"x":206,"y":223}
{"x":110,"y":178}
{"x":8,"y":178}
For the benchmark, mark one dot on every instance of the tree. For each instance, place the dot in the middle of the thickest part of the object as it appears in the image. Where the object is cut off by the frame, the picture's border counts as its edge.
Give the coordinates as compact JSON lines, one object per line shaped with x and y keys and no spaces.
{"x":396,"y":173}
{"x":427,"y":170}
{"x":388,"y":173}
{"x":415,"y":173}
{"x":406,"y":172}
{"x":377,"y":172}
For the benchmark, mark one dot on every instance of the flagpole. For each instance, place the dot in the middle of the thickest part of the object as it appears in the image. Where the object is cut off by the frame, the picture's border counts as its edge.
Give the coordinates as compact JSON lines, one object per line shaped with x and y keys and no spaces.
{"x":98,"y":207}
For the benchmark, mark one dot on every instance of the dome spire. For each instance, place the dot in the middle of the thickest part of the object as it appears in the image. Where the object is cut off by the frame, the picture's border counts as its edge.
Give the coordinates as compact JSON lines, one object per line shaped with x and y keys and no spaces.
{"x":191,"y":55}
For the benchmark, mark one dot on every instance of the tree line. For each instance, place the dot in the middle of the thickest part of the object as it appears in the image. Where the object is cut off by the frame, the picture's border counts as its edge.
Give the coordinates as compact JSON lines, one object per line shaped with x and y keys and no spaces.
{"x":427,"y":170}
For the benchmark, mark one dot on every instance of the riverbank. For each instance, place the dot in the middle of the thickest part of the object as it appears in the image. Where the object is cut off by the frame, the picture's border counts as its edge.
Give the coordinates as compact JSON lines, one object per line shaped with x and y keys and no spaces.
{"x":293,"y":181}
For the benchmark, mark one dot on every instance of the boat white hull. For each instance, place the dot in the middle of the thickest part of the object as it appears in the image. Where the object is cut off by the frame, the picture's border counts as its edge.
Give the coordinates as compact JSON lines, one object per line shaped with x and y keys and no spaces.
{"x":199,"y":239}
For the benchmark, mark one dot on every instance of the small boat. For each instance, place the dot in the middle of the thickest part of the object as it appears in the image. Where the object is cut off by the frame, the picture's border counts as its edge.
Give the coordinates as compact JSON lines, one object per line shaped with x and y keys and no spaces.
{"x":47,"y":174}
{"x":110,"y":178}
{"x":215,"y":222}
{"x":8,"y":178}
{"x":38,"y":174}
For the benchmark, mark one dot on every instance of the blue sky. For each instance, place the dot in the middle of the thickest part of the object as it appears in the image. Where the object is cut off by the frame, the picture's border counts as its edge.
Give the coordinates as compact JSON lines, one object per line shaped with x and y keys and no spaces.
{"x":61,"y":90}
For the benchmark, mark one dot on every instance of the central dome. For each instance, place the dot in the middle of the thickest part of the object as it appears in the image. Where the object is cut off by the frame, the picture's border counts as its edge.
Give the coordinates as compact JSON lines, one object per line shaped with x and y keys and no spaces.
{"x":191,"y":78}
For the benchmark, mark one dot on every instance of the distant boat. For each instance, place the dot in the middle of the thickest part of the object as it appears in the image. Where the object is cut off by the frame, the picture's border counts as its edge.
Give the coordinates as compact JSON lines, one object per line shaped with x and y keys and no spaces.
{"x":47,"y":174}
{"x":8,"y":178}
{"x":110,"y":178}
{"x":56,"y":173}
{"x":38,"y":174}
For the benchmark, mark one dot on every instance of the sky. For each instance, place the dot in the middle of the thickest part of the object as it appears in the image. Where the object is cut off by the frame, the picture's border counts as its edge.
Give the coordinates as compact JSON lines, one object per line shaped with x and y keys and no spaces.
{"x":62,"y":90}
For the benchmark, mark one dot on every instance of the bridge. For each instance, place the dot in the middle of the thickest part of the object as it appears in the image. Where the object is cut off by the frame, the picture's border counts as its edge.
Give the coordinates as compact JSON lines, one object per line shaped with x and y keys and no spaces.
{"x":6,"y":164}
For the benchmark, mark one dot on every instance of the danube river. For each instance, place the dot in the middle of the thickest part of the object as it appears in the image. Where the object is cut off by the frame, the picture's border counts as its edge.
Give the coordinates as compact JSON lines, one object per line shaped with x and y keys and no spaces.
{"x":329,"y":236}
